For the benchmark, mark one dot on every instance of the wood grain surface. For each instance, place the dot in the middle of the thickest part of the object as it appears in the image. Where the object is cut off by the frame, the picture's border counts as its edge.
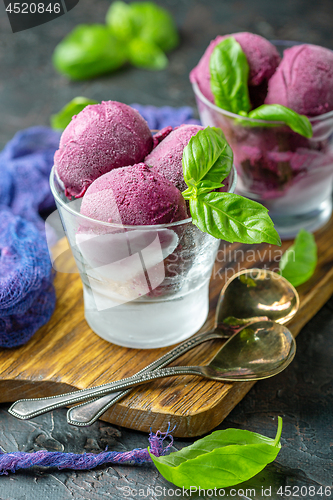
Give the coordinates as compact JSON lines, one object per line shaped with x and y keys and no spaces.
{"x":65,"y":354}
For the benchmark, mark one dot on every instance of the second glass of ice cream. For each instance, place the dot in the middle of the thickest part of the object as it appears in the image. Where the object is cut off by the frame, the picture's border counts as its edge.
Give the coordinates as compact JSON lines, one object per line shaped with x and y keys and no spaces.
{"x":289,"y":174}
{"x":145,"y":283}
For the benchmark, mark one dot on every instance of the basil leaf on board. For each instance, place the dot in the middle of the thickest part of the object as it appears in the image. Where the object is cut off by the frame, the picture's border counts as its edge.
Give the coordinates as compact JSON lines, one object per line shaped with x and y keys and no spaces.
{"x":229,"y":71}
{"x":207,"y":157}
{"x":221,"y":459}
{"x":275,"y":112}
{"x":299,"y":262}
{"x":60,"y":120}
{"x":120,"y":20}
{"x":155,"y":24}
{"x":88,"y":51}
{"x":231,"y":217}
{"x":145,"y":54}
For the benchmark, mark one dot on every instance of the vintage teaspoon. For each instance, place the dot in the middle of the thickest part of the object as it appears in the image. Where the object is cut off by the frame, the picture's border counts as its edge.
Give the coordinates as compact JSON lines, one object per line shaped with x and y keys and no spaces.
{"x":257,"y":351}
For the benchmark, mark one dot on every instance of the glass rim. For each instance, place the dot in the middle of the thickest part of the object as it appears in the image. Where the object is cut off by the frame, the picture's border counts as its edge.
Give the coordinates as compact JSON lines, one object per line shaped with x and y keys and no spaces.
{"x":222,"y":111}
{"x":124,"y":226}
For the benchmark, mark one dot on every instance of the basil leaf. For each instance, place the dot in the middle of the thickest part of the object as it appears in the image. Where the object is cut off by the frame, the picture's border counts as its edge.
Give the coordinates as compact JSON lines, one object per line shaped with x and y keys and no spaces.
{"x":145,"y":54}
{"x":63,"y":118}
{"x":207,"y":157}
{"x":88,"y":51}
{"x":229,"y":71}
{"x":120,"y":20}
{"x":233,"y":218}
{"x":222,"y":459}
{"x":155,"y":24}
{"x":201,"y":188}
{"x":299,"y":262}
{"x":276,"y":112}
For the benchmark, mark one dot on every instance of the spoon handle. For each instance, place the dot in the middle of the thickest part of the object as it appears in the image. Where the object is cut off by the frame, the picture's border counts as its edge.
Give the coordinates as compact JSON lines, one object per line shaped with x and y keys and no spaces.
{"x":28,"y":408}
{"x":87,"y":413}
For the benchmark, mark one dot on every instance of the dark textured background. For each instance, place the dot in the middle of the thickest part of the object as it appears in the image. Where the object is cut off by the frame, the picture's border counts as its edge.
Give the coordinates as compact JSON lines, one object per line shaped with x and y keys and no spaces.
{"x":30,"y":90}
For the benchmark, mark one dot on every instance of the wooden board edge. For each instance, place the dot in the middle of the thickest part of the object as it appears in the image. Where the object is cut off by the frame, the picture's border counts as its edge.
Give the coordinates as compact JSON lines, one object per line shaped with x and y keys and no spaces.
{"x":316,"y":299}
{"x":185,"y":425}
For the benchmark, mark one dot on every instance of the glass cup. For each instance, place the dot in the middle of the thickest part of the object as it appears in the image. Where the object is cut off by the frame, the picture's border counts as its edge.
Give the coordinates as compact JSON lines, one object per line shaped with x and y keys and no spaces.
{"x":290,"y":175}
{"x":143,"y":286}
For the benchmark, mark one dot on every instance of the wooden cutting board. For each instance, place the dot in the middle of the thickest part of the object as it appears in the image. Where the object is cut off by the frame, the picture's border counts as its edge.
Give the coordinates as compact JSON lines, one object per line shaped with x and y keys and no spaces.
{"x":65,"y":354}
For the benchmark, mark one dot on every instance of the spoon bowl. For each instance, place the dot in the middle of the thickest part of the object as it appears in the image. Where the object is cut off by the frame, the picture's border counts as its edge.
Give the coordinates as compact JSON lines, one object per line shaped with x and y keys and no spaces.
{"x":255,"y":293}
{"x":260,"y":350}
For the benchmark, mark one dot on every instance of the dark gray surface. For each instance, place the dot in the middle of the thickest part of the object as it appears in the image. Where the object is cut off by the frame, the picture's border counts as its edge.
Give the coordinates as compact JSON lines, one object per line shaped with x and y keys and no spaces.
{"x":30,"y":90}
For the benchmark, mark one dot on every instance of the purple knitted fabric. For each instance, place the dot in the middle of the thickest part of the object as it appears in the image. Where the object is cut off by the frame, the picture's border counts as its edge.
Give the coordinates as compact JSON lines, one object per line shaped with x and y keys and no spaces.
{"x":11,"y":462}
{"x":25,"y":164}
{"x":27,"y":296}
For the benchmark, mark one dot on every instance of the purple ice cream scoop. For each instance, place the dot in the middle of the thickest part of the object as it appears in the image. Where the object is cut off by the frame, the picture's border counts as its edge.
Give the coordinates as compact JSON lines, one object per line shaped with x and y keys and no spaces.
{"x":100,"y":138}
{"x":262,"y":57}
{"x":134,"y":195}
{"x":303,"y":80}
{"x":166,"y":158}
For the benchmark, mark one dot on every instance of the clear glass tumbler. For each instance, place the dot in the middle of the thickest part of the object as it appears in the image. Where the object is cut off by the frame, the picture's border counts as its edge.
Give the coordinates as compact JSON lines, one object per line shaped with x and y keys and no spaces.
{"x":143,"y":286}
{"x":291,"y":175}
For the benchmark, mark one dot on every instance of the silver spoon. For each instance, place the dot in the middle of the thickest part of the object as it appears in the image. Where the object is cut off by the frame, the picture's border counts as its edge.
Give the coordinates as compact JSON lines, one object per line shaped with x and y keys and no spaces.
{"x":258,"y":351}
{"x":272,"y":297}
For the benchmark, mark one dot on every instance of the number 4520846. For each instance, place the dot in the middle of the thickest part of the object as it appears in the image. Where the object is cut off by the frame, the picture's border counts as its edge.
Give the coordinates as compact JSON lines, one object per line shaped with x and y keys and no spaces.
{"x":304,"y":491}
{"x":33,"y":8}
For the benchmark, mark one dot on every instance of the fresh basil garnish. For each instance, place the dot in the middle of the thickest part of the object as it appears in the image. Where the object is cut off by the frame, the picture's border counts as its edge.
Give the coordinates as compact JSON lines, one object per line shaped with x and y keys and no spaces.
{"x":60,"y":120}
{"x":88,"y":51}
{"x":207,"y":157}
{"x":207,"y":161}
{"x":232,"y":217}
{"x":201,"y":187}
{"x":299,"y":262}
{"x":275,"y":112}
{"x":224,"y":458}
{"x":229,"y":72}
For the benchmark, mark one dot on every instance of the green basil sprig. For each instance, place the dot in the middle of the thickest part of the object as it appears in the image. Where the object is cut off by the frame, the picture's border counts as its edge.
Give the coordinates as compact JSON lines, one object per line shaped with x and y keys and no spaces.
{"x":88,"y":51}
{"x":299,"y":262}
{"x":207,"y":157}
{"x":60,"y":120}
{"x":229,"y":72}
{"x":275,"y":112}
{"x":224,"y":458}
{"x":207,"y":161}
{"x":139,"y":32}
